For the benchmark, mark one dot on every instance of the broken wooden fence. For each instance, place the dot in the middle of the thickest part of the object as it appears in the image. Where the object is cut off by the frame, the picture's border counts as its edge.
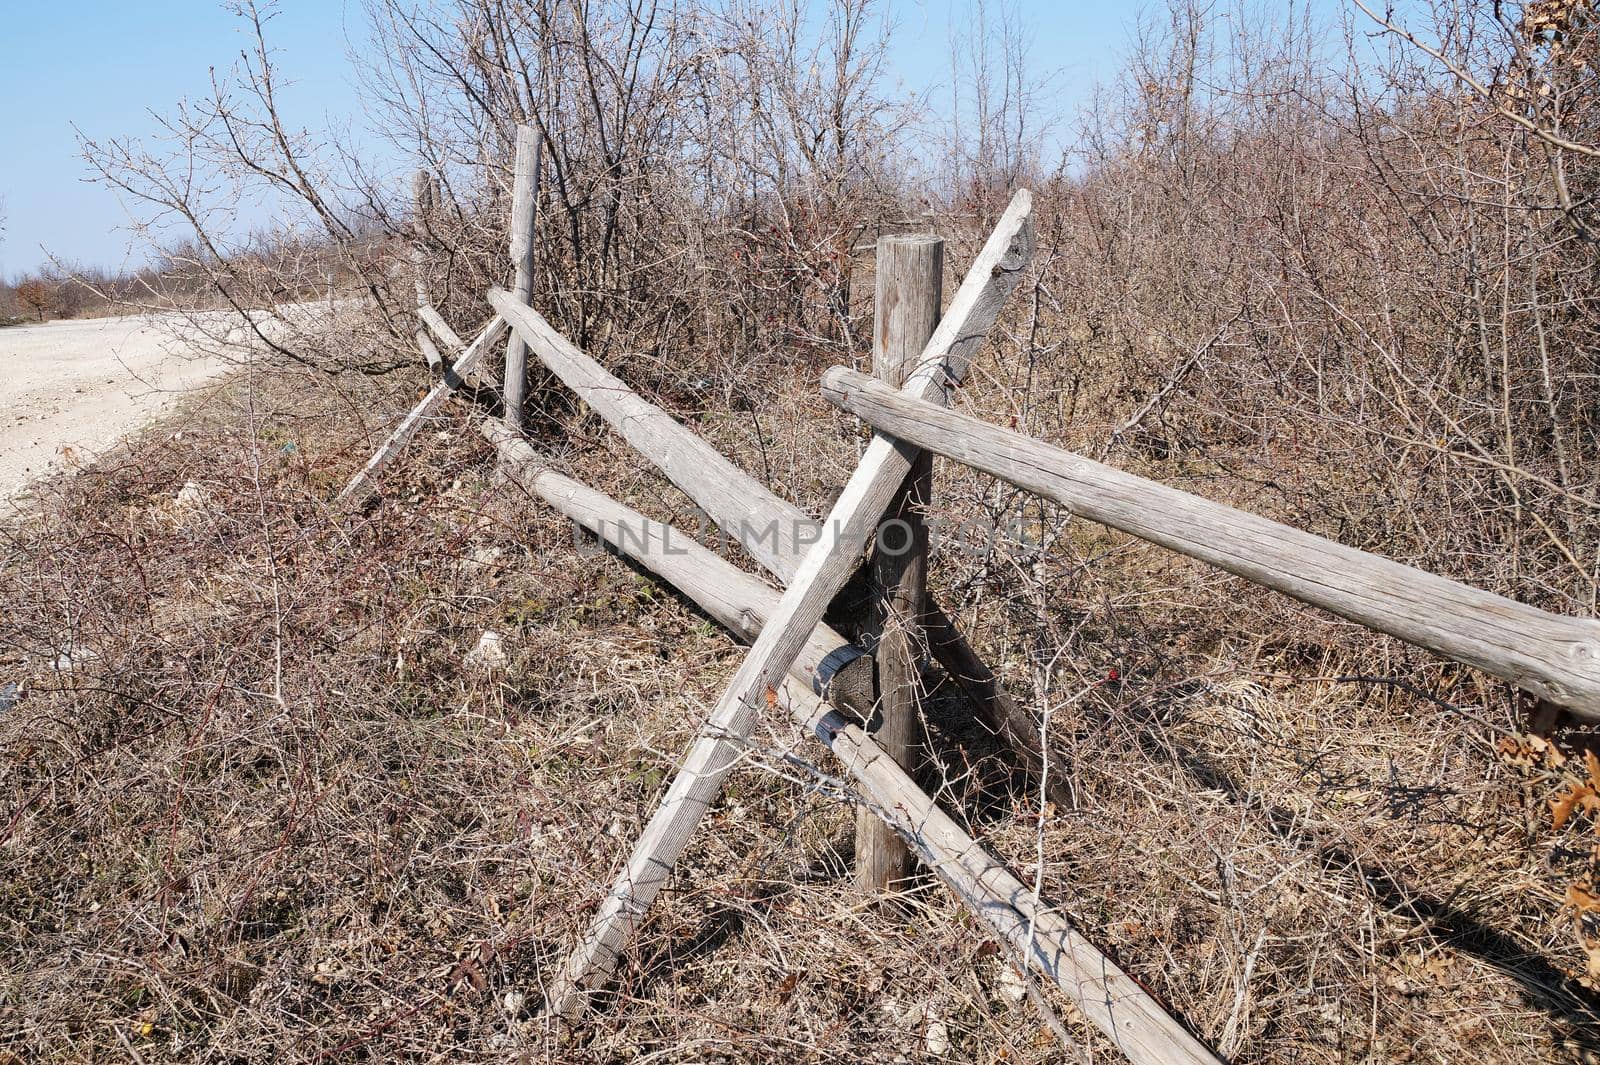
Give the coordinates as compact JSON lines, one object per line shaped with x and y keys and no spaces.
{"x":792,"y":645}
{"x":821,"y":574}
{"x":1555,"y":658}
{"x":772,"y":531}
{"x":1034,"y":931}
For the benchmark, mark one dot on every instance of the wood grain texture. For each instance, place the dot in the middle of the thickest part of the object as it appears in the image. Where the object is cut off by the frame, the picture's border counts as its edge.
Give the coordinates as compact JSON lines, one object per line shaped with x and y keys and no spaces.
{"x":524,"y":199}
{"x":1553,"y":657}
{"x":470,"y":374}
{"x":909,"y":293}
{"x":773,"y":531}
{"x":454,"y":378}
{"x":739,"y":601}
{"x":995,"y":273}
{"x":430,"y":351}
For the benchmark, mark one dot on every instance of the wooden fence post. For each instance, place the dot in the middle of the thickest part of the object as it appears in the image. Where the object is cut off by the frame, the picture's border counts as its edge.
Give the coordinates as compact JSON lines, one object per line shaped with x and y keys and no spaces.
{"x":420,"y":205}
{"x":827,"y":566}
{"x":463,"y":372}
{"x":910,"y":275}
{"x":524,"y":197}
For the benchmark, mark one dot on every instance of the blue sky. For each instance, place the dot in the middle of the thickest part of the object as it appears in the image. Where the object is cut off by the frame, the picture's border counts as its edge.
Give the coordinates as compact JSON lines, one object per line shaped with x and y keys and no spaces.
{"x":105,"y":64}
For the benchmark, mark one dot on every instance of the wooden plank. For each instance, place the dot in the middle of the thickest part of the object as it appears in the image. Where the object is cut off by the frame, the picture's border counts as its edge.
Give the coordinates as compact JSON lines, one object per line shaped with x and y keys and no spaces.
{"x":1553,"y":657}
{"x":524,"y":199}
{"x":826,"y":567}
{"x":739,"y":601}
{"x":773,"y":531}
{"x":454,"y":378}
{"x":742,"y":603}
{"x":420,"y":190}
{"x":909,"y":293}
{"x":1108,"y":997}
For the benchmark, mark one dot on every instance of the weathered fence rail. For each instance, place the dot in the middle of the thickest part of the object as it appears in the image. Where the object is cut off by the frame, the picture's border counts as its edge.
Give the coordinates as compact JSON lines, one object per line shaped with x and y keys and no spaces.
{"x":996,"y":271}
{"x":772,"y":531}
{"x":1037,"y":932}
{"x":460,"y":373}
{"x":828,"y":663}
{"x":1552,"y":657}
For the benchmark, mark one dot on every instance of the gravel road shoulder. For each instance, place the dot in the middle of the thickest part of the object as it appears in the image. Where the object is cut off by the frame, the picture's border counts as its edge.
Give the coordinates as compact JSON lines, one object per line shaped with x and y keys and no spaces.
{"x":71,"y":390}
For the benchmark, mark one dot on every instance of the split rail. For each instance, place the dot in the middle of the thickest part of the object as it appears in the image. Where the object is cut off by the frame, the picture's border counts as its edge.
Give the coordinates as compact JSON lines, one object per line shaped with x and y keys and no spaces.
{"x":800,"y":664}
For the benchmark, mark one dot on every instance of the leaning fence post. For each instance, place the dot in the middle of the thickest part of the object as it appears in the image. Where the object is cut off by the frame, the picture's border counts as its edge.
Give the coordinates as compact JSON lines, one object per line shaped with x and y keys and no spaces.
{"x":524,"y":195}
{"x":910,"y":275}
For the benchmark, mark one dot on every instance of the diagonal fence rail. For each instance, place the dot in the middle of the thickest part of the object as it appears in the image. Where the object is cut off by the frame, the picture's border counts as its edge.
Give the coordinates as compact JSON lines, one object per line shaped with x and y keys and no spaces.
{"x":1556,"y":659}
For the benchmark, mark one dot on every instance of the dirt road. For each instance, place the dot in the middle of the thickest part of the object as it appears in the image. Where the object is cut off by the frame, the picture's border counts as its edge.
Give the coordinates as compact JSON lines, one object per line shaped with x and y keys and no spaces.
{"x":70,"y":390}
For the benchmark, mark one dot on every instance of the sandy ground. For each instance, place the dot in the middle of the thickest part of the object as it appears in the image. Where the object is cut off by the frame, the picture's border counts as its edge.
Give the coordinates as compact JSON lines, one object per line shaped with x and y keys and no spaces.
{"x":70,"y":390}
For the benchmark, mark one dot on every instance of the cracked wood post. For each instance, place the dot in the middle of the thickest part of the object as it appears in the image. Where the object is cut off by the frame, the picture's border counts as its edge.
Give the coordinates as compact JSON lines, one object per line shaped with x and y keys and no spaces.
{"x":910,"y":276}
{"x":1553,"y":657}
{"x":524,"y":198}
{"x":994,"y":274}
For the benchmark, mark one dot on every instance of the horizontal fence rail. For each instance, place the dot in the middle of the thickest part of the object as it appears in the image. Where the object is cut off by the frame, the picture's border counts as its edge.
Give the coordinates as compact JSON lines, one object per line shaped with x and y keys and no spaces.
{"x":1550,"y":656}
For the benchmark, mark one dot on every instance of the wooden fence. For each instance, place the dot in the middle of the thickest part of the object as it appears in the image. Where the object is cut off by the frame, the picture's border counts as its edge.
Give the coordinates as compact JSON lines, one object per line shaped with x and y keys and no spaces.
{"x":800,"y":664}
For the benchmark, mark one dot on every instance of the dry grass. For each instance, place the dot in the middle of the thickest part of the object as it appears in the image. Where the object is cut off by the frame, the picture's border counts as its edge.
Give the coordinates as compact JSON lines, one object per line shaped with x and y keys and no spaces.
{"x":260,"y":808}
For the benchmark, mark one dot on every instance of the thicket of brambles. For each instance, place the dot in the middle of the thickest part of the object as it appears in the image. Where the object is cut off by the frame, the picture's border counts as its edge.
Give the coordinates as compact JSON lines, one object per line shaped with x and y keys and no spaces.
{"x":1342,"y":272}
